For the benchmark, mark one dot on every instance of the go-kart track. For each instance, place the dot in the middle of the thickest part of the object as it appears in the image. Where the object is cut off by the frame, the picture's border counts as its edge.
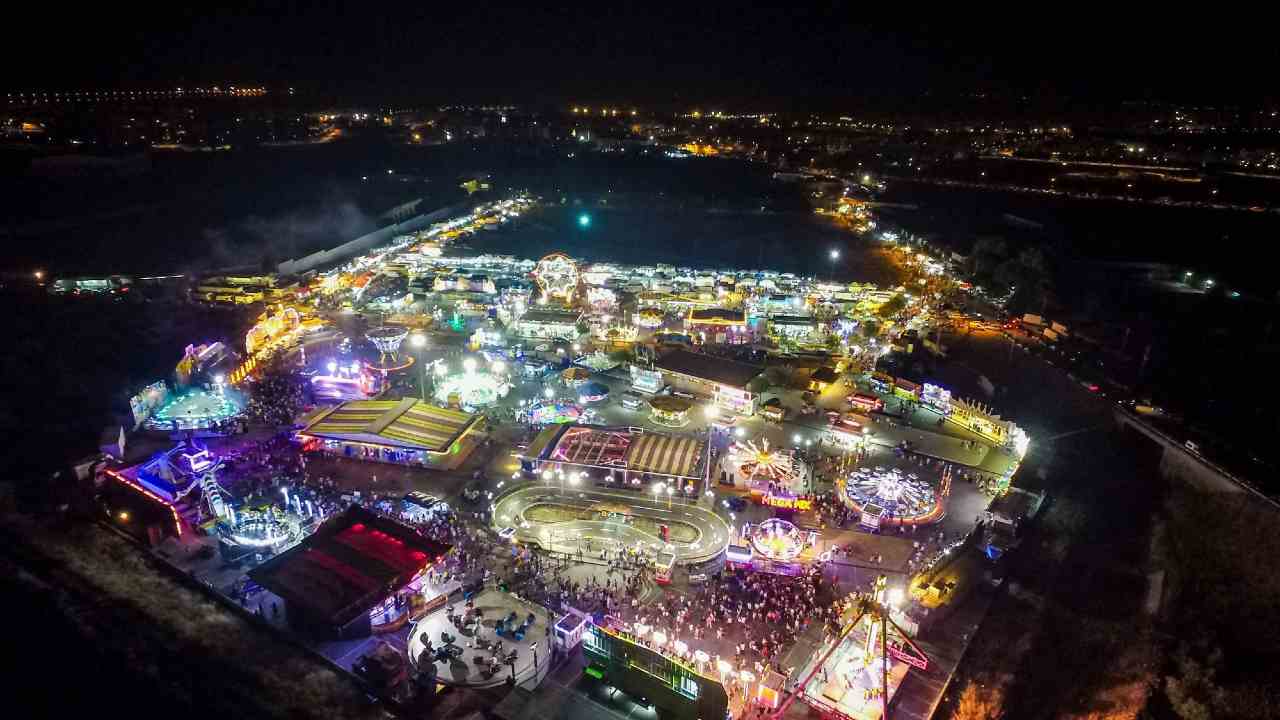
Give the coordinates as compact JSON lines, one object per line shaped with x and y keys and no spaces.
{"x":625,"y":520}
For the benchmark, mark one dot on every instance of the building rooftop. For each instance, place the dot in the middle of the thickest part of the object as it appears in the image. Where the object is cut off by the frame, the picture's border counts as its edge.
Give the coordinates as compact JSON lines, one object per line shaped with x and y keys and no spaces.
{"x":716,"y":315}
{"x":792,"y":320}
{"x":708,"y":367}
{"x":347,"y":566}
{"x":551,"y":315}
{"x":621,"y":448}
{"x":407,"y":423}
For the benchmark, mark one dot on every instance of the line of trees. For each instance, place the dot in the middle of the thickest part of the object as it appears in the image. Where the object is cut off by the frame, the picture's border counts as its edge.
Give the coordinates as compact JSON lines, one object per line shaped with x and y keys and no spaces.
{"x":999,"y":267}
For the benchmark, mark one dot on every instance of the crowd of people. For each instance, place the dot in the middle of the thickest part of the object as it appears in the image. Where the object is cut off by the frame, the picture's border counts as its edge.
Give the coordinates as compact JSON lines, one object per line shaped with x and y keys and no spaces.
{"x":252,"y":468}
{"x":276,"y":399}
{"x":747,"y":618}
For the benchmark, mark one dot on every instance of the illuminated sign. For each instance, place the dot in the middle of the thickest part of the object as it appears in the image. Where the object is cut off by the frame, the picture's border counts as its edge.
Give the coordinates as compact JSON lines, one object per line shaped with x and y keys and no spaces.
{"x":788,"y":503}
{"x":908,"y":658}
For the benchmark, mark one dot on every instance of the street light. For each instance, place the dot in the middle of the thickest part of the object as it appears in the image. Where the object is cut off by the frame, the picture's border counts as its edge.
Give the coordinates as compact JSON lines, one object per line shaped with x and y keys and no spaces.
{"x":419,"y":341}
{"x":835,"y":255}
{"x":670,"y":492}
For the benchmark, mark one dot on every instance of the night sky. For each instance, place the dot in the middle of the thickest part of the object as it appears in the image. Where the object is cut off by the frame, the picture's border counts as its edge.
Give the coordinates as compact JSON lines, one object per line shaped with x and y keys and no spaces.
{"x":696,"y":53}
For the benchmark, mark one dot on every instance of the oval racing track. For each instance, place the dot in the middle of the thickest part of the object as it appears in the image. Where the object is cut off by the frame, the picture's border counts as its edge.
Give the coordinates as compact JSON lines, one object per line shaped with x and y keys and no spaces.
{"x":713,"y":531}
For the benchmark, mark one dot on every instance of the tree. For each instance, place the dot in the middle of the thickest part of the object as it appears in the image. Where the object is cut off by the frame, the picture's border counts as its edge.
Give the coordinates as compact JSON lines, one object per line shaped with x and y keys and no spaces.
{"x":988,"y":252}
{"x":833,"y":342}
{"x":1193,"y":692}
{"x":870,"y":328}
{"x":892,"y":306}
{"x":977,"y":703}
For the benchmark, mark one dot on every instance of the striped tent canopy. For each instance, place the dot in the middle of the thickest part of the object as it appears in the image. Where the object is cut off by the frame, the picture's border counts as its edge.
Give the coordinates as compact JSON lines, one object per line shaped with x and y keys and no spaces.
{"x":664,"y":454}
{"x":406,"y":423}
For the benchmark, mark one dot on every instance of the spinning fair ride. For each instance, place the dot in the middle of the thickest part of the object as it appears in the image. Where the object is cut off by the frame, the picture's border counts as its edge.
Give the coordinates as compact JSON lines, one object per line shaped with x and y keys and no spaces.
{"x":557,"y":277}
{"x":905,"y":498}
{"x":255,"y":529}
{"x":777,"y":539}
{"x":760,"y":466}
{"x":387,"y":339}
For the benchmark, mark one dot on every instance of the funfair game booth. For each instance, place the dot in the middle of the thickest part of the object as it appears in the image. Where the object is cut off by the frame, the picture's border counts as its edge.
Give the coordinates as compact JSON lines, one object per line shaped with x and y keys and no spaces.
{"x":649,"y":666}
{"x":356,"y":574}
{"x":403,"y":432}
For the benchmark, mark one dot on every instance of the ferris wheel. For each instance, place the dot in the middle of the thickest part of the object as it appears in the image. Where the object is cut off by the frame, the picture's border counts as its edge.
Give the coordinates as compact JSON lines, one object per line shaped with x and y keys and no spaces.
{"x":557,"y":277}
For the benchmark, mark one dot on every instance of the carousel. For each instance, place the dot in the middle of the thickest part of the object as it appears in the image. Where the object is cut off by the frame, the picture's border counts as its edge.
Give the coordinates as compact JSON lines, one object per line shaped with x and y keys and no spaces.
{"x":670,"y":411}
{"x":764,"y":470}
{"x":898,"y":498}
{"x":650,"y":318}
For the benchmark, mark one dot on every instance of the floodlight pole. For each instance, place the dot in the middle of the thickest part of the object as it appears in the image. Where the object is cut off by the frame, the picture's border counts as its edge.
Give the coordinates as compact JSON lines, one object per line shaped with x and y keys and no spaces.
{"x":884,"y":662}
{"x":422,"y":373}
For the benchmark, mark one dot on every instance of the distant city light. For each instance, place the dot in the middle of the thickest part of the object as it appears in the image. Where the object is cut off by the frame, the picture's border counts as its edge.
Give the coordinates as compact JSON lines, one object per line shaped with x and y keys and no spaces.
{"x":584,"y":220}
